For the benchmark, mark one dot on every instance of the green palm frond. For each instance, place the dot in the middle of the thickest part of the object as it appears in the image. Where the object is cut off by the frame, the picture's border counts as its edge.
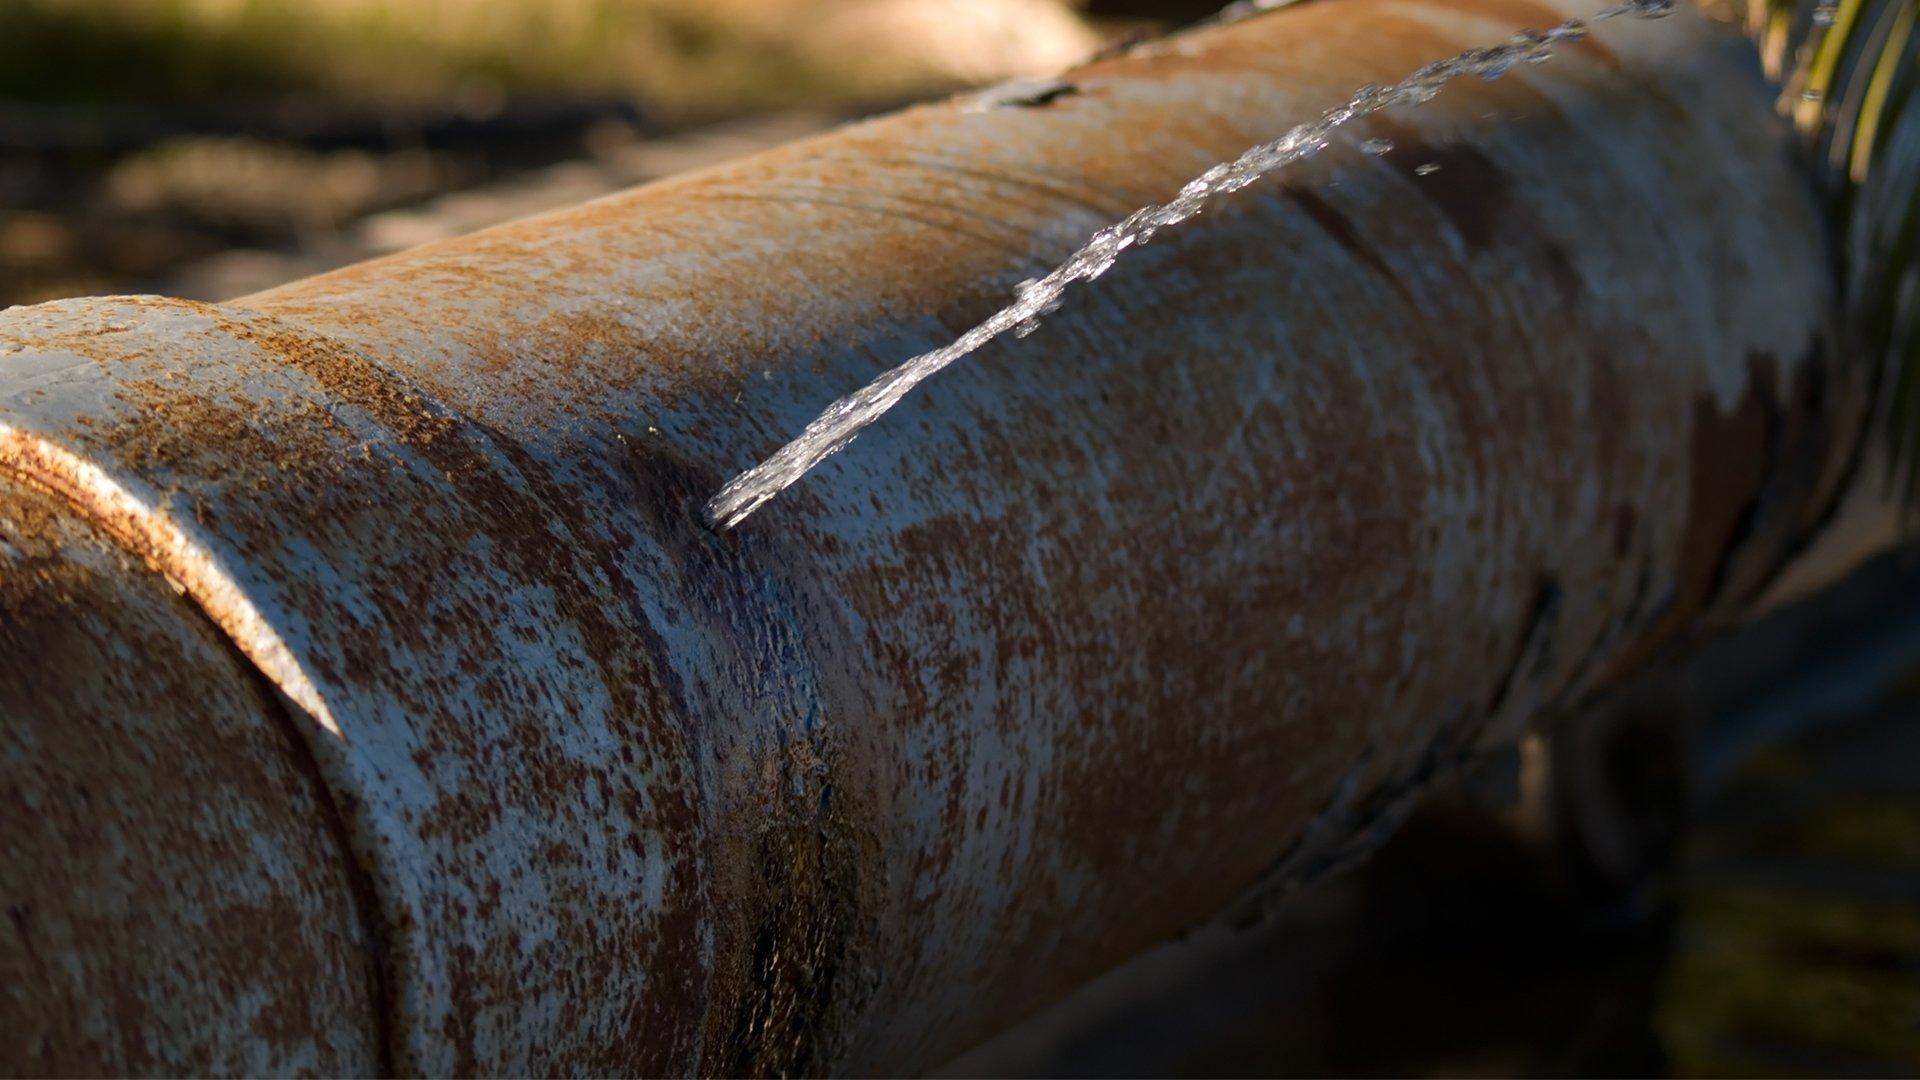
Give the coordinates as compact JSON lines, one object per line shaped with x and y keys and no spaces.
{"x":1849,"y":70}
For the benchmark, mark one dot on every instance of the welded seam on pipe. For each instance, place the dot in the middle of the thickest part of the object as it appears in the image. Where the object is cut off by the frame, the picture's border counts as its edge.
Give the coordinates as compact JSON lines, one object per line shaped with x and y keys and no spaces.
{"x":152,"y":538}
{"x":152,"y":534}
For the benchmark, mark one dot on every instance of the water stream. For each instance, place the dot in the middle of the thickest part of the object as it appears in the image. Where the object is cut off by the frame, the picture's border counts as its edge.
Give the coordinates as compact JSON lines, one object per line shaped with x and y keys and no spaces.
{"x":1036,"y":298}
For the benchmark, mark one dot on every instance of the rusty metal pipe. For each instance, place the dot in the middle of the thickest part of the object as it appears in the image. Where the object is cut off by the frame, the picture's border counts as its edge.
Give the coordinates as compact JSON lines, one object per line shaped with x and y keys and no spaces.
{"x":1172,"y":603}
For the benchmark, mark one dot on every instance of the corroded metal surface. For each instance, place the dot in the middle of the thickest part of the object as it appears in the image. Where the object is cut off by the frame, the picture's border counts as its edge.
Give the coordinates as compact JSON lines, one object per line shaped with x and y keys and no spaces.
{"x":177,"y":889}
{"x":1173,"y":601}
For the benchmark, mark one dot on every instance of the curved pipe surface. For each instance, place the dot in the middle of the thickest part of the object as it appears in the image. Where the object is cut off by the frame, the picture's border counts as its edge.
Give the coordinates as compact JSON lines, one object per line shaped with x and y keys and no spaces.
{"x":1176,"y":601}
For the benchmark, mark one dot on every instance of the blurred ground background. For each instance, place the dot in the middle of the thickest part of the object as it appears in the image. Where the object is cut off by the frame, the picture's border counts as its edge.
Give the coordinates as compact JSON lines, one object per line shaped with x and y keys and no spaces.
{"x":211,"y":147}
{"x":1767,"y":917}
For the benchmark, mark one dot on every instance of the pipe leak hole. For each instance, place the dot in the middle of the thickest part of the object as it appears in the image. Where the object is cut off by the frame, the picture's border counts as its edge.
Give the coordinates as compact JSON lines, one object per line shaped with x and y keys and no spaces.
{"x":1021,"y":94}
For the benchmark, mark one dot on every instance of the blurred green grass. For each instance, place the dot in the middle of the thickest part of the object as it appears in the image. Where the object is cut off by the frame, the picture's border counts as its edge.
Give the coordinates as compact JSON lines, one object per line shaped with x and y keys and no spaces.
{"x":1766,"y":979}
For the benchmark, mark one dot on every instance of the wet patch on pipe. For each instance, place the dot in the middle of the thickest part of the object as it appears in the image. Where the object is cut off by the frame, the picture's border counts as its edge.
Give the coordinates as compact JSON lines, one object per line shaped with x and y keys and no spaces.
{"x":1464,"y":184}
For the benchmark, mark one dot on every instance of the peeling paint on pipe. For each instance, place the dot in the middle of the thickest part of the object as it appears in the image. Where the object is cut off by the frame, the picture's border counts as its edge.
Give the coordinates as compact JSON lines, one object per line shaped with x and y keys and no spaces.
{"x":1175,"y":602}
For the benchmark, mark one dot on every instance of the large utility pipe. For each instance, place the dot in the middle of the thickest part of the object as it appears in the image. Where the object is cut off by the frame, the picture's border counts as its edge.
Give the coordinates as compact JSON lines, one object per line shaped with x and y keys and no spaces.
{"x":374,"y":699}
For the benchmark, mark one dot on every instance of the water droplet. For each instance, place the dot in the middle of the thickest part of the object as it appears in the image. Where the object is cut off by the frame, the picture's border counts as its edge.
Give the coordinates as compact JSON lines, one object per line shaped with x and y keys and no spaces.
{"x":1427,"y":169}
{"x":1376,"y":147}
